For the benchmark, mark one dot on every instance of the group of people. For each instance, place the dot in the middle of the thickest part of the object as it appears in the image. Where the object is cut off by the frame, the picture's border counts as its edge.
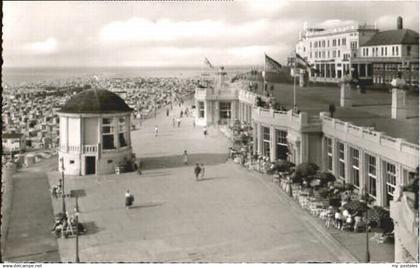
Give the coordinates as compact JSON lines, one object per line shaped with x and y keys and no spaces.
{"x":65,"y":226}
{"x":199,"y":171}
{"x":341,"y":219}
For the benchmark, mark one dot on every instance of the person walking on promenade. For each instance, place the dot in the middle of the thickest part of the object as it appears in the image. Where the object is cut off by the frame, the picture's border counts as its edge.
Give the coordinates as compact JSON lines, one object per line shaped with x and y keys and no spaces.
{"x":178,"y":120}
{"x":193,"y":123}
{"x":139,"y":168}
{"x":173,"y":121}
{"x":205,"y":131}
{"x":156,"y":131}
{"x":129,"y":199}
{"x":181,"y":114}
{"x":185,"y":157}
{"x":197,"y":171}
{"x":202,"y":171}
{"x":167,"y":112}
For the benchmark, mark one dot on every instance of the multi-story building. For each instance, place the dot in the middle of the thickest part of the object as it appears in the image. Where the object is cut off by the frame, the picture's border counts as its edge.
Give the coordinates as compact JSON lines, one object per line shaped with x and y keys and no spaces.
{"x":388,"y":53}
{"x":331,"y":50}
{"x":216,"y":103}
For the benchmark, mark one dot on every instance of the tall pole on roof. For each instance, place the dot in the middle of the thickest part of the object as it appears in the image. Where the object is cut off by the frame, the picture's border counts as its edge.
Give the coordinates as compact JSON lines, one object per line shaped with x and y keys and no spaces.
{"x":294,"y":82}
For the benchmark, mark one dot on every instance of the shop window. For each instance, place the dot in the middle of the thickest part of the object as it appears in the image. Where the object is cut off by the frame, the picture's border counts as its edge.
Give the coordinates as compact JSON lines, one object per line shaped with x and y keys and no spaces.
{"x":328,"y":141}
{"x":371,"y":168}
{"x":201,"y":109}
{"x":341,"y":163}
{"x":390,"y":177}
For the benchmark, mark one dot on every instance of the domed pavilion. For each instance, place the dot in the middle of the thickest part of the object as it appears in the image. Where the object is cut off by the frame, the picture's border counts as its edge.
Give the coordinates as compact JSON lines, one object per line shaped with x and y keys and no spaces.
{"x":94,"y":133}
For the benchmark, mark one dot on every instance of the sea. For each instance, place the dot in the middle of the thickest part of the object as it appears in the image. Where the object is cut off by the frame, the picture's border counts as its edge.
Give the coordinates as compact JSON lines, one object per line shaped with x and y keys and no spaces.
{"x":15,"y":76}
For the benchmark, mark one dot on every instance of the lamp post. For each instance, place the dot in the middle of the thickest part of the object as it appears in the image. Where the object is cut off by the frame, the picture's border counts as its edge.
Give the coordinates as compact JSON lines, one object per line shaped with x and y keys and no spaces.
{"x":62,"y":185}
{"x":76,"y":217}
{"x":366,"y":194}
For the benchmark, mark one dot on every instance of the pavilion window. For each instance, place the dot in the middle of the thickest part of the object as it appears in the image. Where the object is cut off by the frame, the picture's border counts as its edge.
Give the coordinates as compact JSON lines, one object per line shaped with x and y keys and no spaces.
{"x":371,"y":164}
{"x":107,"y":134}
{"x":266,"y":141}
{"x":355,"y":176}
{"x":201,"y":109}
{"x":225,"y":110}
{"x":341,"y":163}
{"x":391,"y":182}
{"x":122,"y":132}
{"x":281,"y":144}
{"x":329,"y":154}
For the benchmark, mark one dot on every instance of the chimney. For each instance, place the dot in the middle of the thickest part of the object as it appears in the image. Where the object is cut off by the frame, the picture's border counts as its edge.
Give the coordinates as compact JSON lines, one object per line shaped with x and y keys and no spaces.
{"x":399,"y":23}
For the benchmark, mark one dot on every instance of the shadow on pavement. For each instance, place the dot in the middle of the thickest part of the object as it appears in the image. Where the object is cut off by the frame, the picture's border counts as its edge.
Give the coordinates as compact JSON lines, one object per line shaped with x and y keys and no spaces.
{"x":147,"y":205}
{"x":212,"y":178}
{"x":91,"y":227}
{"x":174,"y":161}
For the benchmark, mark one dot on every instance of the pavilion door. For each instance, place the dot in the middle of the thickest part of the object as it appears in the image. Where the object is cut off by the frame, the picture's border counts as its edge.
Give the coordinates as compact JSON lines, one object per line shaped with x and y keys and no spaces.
{"x":90,"y":165}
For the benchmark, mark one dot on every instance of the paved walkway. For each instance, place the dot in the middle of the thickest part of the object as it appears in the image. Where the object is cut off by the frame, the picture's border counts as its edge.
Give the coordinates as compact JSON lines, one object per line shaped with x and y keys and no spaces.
{"x":28,"y":237}
{"x":231,"y":216}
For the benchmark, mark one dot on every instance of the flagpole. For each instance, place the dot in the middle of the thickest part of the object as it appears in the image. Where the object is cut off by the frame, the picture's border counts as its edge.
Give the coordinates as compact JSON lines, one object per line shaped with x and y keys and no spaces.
{"x":264,"y":73}
{"x":294,"y":84}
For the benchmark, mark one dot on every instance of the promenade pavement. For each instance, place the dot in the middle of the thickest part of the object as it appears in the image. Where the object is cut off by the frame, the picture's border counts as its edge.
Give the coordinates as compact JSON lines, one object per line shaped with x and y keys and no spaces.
{"x":231,"y":216}
{"x":28,"y":236}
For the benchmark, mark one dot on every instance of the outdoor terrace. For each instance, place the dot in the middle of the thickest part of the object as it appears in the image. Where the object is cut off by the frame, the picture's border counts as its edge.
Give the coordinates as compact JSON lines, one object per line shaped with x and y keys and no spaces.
{"x":372,"y":109}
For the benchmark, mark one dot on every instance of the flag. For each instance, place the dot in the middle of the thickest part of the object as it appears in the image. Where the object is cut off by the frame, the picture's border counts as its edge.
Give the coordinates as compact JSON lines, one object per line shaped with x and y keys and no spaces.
{"x":271,"y":65}
{"x":300,"y":62}
{"x":207,"y":62}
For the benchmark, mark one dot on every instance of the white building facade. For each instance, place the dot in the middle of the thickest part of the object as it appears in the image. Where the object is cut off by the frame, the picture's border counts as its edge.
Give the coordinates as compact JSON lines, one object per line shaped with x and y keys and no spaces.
{"x":331,"y":50}
{"x":94,"y":133}
{"x":217,"y":103}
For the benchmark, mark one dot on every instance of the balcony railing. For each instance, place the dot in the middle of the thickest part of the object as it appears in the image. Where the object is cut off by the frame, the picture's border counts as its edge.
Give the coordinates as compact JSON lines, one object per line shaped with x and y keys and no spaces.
{"x":90,"y":148}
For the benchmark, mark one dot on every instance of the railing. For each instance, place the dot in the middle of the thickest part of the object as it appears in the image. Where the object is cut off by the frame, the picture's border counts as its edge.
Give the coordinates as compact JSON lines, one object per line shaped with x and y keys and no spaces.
{"x":74,"y":148}
{"x":90,"y":148}
{"x":250,"y":97}
{"x":370,"y":135}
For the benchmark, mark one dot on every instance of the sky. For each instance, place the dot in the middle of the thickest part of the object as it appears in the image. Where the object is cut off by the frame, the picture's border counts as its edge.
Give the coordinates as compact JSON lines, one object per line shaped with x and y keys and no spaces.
{"x":174,"y":33}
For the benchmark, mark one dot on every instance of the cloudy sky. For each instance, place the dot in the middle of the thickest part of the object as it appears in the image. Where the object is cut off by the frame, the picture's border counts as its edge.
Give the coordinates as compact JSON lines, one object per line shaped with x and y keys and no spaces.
{"x":175,"y":33}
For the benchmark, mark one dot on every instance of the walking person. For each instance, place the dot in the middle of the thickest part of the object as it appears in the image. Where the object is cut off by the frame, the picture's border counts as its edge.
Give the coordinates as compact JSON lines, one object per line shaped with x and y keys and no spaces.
{"x":167,"y":112}
{"x":181,"y":114}
{"x":139,"y":168}
{"x":156,"y":131}
{"x":202,"y":171}
{"x":129,"y":199}
{"x":193,"y":123}
{"x":173,"y":121}
{"x":178,"y":120}
{"x":197,"y":171}
{"x":205,"y":131}
{"x":185,"y":157}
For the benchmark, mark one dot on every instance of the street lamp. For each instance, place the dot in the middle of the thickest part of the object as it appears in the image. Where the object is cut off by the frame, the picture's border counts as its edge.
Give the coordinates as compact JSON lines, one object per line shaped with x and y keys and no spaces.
{"x":366,"y":195}
{"x":76,"y":218}
{"x":62,"y":185}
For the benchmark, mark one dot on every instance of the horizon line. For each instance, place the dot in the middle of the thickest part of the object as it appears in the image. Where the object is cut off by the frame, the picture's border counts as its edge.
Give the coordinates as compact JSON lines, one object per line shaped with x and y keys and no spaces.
{"x":134,"y":66}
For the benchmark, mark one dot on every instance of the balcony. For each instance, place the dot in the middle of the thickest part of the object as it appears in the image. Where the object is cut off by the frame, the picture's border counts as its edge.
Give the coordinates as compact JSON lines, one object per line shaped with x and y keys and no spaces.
{"x":90,"y":148}
{"x":76,"y":149}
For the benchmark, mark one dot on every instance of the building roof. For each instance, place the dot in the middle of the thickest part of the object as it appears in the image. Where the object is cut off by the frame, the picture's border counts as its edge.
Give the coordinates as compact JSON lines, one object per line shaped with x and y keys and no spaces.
{"x":394,"y":37}
{"x":97,"y":101}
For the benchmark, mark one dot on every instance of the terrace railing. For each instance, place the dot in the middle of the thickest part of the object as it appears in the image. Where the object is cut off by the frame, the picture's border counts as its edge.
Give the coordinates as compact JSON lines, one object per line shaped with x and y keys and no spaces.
{"x":338,"y":127}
